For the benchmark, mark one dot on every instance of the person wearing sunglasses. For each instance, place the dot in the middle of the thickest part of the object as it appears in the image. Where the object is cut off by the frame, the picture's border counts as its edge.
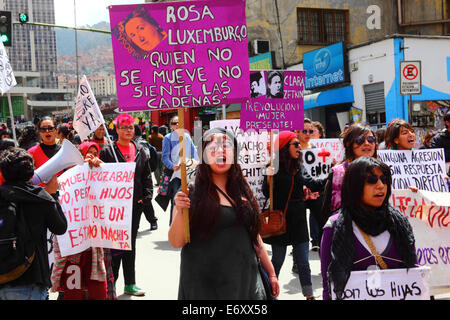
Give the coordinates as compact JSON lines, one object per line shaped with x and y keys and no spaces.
{"x":171,"y":158}
{"x":305,"y":135}
{"x":366,"y":232}
{"x":359,"y":140}
{"x":291,"y":175}
{"x":48,"y":147}
{"x":400,"y":135}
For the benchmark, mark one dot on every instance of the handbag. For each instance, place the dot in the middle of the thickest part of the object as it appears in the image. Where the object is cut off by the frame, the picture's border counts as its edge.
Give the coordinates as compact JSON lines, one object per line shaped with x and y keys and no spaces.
{"x":164,"y":185}
{"x":273,"y":222}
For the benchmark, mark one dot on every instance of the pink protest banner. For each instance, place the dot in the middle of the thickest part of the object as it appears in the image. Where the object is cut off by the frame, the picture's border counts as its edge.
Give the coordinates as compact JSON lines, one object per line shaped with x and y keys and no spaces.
{"x":180,"y":54}
{"x":98,"y":204}
{"x":276,"y":101}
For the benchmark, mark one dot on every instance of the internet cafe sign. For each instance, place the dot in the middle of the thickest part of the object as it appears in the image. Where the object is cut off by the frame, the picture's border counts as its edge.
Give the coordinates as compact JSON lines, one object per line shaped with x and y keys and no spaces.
{"x":325,"y":66}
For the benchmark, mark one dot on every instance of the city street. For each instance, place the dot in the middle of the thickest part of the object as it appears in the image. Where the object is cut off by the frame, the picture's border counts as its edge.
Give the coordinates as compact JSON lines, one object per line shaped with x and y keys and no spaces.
{"x":158,"y":263}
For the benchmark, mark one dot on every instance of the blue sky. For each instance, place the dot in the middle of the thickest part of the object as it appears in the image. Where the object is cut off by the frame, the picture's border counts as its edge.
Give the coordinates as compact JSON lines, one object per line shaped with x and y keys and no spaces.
{"x":89,"y":12}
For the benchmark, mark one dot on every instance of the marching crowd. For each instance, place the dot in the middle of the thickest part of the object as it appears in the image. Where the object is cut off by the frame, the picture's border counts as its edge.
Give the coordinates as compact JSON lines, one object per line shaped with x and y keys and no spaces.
{"x":351,"y":221}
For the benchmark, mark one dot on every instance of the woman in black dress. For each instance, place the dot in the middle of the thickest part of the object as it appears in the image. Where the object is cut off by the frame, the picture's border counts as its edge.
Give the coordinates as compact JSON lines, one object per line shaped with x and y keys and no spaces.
{"x":221,"y":260}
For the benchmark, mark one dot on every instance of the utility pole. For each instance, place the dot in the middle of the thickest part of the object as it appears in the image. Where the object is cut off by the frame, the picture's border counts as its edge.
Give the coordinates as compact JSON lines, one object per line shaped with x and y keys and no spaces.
{"x":76,"y":44}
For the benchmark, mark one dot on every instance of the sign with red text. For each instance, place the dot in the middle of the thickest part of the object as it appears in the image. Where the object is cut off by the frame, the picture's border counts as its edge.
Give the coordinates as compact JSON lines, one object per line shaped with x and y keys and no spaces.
{"x":317,"y":162}
{"x":253,"y":154}
{"x":392,"y":284}
{"x":410,"y":77}
{"x":98,"y":205}
{"x":180,"y":54}
{"x":429,"y":215}
{"x":424,"y":169}
{"x":332,"y":145}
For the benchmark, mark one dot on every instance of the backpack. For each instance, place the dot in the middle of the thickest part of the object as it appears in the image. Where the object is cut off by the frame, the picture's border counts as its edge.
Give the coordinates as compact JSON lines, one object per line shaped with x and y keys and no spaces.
{"x":17,"y":249}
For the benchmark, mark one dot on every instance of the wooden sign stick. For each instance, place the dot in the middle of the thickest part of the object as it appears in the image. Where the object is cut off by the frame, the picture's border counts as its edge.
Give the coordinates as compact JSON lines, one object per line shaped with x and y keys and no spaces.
{"x":187,"y":236}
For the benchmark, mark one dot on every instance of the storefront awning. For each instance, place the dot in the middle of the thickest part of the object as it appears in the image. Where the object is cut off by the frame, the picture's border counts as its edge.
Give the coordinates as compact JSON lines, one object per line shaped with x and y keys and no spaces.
{"x":329,"y":97}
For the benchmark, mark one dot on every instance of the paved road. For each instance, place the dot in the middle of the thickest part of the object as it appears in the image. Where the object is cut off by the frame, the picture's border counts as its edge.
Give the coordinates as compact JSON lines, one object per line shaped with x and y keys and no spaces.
{"x":157,"y":266}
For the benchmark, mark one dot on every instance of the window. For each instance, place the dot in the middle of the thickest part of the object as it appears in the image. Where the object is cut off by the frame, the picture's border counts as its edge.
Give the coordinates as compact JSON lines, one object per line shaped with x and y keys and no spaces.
{"x":321,"y":26}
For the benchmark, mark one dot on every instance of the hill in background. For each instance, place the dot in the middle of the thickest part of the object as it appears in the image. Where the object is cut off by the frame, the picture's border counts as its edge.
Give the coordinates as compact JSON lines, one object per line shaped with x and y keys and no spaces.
{"x":65,"y":39}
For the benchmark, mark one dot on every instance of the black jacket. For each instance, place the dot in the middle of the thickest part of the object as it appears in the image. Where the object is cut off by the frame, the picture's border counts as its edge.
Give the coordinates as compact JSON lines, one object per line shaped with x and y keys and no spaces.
{"x":442,"y":140}
{"x":296,"y":223}
{"x":151,"y":152}
{"x":41,"y":212}
{"x":143,"y":184}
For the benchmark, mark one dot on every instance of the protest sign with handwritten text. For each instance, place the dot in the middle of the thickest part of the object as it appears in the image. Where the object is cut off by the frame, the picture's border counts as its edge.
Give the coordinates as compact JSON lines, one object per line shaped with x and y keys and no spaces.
{"x":87,"y":116}
{"x":276,"y":101}
{"x":429,"y":215}
{"x":98,"y":206}
{"x":253,"y":154}
{"x":423,"y":169}
{"x":393,"y":284}
{"x":180,"y":54}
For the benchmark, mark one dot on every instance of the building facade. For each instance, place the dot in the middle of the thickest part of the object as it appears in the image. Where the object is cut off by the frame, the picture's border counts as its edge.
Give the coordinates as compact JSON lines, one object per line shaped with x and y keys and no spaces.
{"x":298,"y":31}
{"x":33,"y":59}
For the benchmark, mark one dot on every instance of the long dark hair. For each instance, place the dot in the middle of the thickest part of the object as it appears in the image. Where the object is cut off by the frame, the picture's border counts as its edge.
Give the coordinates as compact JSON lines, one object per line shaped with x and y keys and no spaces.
{"x":205,"y":202}
{"x":372,"y":222}
{"x":393,"y":131}
{"x":355,"y":178}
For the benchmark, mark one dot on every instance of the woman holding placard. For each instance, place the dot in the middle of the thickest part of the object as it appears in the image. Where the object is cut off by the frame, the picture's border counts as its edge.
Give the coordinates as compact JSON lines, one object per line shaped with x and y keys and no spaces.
{"x":288,"y":185}
{"x":400,"y":135}
{"x":366,"y":231}
{"x":94,"y":265}
{"x":221,"y":260}
{"x":359,"y":140}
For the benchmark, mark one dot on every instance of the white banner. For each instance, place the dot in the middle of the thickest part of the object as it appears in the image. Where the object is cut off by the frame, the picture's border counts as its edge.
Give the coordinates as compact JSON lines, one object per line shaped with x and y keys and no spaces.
{"x":88,"y":116}
{"x":7,"y":79}
{"x":392,"y":284}
{"x":429,"y":216}
{"x":253,"y":154}
{"x":334,"y":146}
{"x":98,"y":205}
{"x":424,"y":169}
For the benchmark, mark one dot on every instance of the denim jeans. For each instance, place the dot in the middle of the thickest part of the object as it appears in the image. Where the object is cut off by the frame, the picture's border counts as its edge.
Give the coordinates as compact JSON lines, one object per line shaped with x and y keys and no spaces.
{"x":301,"y":258}
{"x":31,"y":292}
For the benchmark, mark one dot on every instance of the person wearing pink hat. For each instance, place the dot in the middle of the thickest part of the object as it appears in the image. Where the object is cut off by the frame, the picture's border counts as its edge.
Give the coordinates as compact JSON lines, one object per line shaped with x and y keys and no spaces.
{"x":291,"y":171}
